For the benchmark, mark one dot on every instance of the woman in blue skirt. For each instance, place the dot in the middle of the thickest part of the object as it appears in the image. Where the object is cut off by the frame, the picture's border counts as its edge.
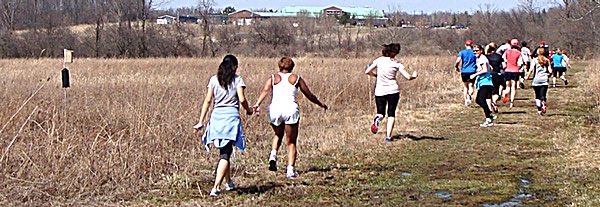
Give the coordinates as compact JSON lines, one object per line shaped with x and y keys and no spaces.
{"x":224,"y":129}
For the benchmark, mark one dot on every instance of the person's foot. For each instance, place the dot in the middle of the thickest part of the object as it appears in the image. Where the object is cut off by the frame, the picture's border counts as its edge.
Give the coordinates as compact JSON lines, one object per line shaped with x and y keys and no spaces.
{"x":487,"y":123}
{"x":229,"y":186}
{"x":505,"y":99}
{"x":566,"y":82}
{"x":553,"y":85}
{"x":467,"y":102}
{"x":539,"y":113}
{"x":511,"y":104}
{"x":291,"y":174}
{"x":493,"y":116}
{"x":375,"y":125}
{"x":544,"y":107}
{"x":215,"y":192}
{"x":388,"y":139}
{"x":273,"y":162}
{"x":522,"y":85}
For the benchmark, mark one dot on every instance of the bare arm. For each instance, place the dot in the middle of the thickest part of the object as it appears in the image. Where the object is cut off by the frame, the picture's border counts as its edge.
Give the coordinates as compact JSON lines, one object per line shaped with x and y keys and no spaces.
{"x":531,"y":69}
{"x":483,"y":69}
{"x":370,"y":70}
{"x":207,"y":101}
{"x":263,"y":94}
{"x":458,"y":61}
{"x":243,"y":101}
{"x":406,"y":75}
{"x":311,"y":97}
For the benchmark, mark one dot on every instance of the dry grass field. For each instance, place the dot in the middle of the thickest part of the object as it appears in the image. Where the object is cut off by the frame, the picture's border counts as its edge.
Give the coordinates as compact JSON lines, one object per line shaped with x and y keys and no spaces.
{"x":124,"y":138}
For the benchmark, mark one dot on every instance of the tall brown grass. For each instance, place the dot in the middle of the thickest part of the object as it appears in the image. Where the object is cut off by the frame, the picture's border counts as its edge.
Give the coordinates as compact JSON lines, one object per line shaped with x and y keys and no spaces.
{"x":125,"y":127}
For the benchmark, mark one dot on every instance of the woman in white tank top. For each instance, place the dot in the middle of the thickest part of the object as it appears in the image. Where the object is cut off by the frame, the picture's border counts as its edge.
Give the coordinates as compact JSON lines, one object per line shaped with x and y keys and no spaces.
{"x":283,"y":110}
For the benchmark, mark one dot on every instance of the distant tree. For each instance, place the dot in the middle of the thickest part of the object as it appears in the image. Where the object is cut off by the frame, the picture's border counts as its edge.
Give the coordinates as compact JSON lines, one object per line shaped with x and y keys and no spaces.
{"x":228,"y":10}
{"x":345,"y":18}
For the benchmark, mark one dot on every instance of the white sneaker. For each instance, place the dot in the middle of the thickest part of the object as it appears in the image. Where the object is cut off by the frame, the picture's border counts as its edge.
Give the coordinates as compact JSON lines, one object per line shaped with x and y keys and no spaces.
{"x":487,"y":123}
{"x":494,"y":117}
{"x":215,"y":192}
{"x":291,"y":174}
{"x":273,"y":161}
{"x":229,"y":186}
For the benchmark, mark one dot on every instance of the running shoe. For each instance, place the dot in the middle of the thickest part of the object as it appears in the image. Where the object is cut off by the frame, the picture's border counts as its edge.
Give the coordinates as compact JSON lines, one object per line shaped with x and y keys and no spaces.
{"x":229,"y":186}
{"x":512,"y":104}
{"x":375,"y":125}
{"x":487,"y":123}
{"x":505,"y":99}
{"x":539,"y":113}
{"x":467,"y":102}
{"x":566,"y":82}
{"x":273,"y":162}
{"x":388,"y":139}
{"x":493,"y":116}
{"x":544,"y":107}
{"x":215,"y":192}
{"x":291,"y":174}
{"x":522,"y":85}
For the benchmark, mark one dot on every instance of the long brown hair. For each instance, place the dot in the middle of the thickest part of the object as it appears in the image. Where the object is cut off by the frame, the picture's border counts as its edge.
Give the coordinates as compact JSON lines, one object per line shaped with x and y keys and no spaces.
{"x":542,"y":57}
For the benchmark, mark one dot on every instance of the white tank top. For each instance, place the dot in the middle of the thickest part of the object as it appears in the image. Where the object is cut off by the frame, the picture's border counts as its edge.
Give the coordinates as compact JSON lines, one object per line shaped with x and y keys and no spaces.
{"x":284,"y":92}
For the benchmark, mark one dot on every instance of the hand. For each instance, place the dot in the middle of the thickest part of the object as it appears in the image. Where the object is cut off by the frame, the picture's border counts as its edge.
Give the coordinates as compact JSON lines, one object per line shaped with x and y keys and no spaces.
{"x":473,"y":76}
{"x":415,"y":75}
{"x":256,"y":109}
{"x":249,"y":112}
{"x":324,"y":106}
{"x":198,"y":126}
{"x":456,"y":69}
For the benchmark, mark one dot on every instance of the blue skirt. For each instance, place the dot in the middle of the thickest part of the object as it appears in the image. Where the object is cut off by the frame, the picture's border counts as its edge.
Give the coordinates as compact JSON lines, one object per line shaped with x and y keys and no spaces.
{"x":223,"y":127}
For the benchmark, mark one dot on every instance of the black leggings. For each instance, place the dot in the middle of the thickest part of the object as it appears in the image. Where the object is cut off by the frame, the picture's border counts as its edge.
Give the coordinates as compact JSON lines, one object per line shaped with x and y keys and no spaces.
{"x":485,"y":92}
{"x":391,"y":100}
{"x":540,"y":92}
{"x":226,"y":151}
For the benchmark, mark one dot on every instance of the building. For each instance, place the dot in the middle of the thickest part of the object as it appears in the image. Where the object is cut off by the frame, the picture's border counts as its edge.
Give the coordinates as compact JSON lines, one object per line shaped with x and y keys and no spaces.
{"x":166,"y":19}
{"x":360,"y":14}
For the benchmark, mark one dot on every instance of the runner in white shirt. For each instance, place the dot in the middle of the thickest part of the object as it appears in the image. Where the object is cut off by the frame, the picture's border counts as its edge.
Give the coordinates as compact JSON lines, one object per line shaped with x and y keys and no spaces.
{"x":386,"y":87}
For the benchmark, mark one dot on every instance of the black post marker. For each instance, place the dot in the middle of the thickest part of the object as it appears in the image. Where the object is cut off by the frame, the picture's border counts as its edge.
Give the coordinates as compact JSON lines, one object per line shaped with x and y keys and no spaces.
{"x":65,"y":78}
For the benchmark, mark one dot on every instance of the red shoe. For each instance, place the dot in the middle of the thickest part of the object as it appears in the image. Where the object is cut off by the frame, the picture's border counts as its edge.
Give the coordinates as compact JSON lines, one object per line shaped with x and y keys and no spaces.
{"x":374,"y":127}
{"x":544,"y":108}
{"x":505,"y":99}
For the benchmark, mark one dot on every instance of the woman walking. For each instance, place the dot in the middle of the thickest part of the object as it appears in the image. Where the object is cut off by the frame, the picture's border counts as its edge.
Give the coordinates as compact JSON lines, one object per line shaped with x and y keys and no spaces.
{"x":540,"y":71}
{"x":283,"y":112}
{"x":484,"y":86}
{"x":387,"y":92}
{"x":224,"y":129}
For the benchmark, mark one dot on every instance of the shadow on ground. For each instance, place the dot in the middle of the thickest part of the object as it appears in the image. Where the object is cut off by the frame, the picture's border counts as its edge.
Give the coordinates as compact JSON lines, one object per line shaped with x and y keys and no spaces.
{"x":416,"y":138}
{"x":257,"y":189}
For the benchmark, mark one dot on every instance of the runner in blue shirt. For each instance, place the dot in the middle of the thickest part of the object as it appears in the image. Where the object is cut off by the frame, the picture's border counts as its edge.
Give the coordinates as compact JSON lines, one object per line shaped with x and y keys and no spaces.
{"x":484,"y":86}
{"x":466,"y":58}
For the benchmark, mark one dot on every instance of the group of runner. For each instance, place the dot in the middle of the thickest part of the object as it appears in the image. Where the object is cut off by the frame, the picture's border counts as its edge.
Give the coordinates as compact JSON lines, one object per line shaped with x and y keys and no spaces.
{"x":493,"y":71}
{"x":497,"y":71}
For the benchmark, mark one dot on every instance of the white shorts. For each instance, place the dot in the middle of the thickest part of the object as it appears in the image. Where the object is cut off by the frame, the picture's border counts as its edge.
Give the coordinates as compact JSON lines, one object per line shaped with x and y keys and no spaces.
{"x":284,"y":113}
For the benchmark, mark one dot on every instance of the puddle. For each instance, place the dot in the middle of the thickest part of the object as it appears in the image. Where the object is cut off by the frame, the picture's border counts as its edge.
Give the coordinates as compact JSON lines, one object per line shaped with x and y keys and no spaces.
{"x":516,"y":200}
{"x":405,"y":174}
{"x":443,"y":194}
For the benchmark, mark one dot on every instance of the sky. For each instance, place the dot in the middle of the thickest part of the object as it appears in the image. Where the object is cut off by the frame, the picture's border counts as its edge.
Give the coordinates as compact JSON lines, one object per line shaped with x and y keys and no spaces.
{"x":410,"y":6}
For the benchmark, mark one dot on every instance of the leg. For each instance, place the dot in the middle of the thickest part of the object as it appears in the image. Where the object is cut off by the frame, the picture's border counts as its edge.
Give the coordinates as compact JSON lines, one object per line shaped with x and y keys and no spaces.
{"x":291,"y":133}
{"x":279,"y":131}
{"x":513,"y":91}
{"x":538,"y":101}
{"x":223,"y":168}
{"x":392,"y":100}
{"x":380,"y":102}
{"x":467,"y":92}
{"x":481,"y":101}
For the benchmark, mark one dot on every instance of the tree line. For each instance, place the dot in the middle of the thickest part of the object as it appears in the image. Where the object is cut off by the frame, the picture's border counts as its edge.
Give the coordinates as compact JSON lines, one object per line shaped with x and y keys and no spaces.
{"x":126,"y":29}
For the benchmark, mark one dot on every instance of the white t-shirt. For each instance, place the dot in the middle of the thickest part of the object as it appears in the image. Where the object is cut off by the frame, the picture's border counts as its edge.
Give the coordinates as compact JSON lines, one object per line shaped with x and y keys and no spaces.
{"x":387,"y":68}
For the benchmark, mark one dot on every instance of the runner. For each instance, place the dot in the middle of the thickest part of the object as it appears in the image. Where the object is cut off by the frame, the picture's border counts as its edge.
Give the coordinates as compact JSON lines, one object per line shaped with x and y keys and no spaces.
{"x":512,"y":64}
{"x":559,"y":70}
{"x":484,"y":86}
{"x":540,"y":71}
{"x":526,"y":54}
{"x":567,"y":64}
{"x":497,"y":71}
{"x":283,"y":112}
{"x":466,"y":58}
{"x":542,"y":45}
{"x":386,"y":86}
{"x":224,"y":129}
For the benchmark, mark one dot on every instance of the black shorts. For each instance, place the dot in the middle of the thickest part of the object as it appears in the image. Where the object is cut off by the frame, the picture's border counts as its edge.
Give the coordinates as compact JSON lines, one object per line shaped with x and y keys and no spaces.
{"x":511,"y":76}
{"x":226,"y":151}
{"x":522,"y":74}
{"x":540,"y":92}
{"x":498,"y":80}
{"x":391,"y":100}
{"x":558,"y":71}
{"x":466,"y":77}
